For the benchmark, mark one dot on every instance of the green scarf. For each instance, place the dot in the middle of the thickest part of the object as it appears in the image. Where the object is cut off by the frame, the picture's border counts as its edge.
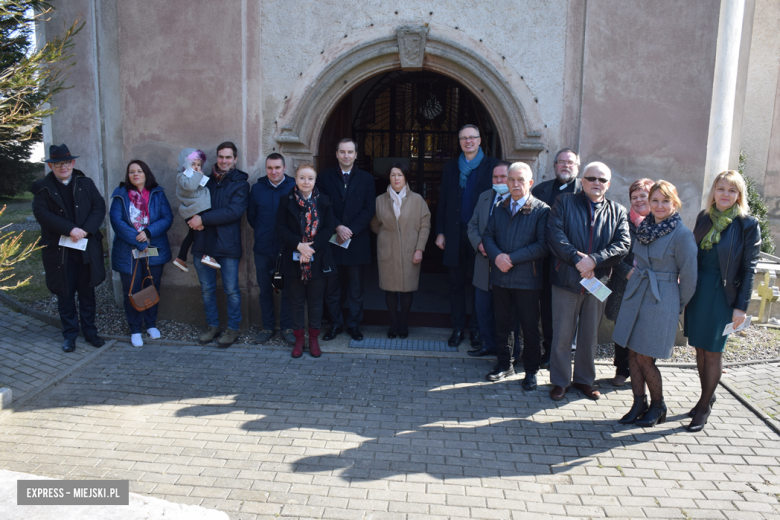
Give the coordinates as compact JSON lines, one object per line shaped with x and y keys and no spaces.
{"x":720,"y":221}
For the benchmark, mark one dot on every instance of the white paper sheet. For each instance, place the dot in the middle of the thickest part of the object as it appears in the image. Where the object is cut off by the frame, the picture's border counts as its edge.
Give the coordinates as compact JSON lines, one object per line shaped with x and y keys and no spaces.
{"x":334,"y":240}
{"x":730,"y":327}
{"x":81,"y":245}
{"x":596,"y":288}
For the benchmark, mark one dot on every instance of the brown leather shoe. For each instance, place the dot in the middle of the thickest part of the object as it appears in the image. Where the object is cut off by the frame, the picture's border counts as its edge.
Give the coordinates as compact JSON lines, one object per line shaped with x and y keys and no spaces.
{"x":558,"y":393}
{"x":589,"y":391}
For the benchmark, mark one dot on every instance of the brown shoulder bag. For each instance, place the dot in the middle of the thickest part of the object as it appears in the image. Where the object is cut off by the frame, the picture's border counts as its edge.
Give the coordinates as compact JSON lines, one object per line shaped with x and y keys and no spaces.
{"x":147,"y":297}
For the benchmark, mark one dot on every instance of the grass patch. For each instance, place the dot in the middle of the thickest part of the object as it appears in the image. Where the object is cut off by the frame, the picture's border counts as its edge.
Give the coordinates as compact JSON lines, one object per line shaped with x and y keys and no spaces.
{"x":17,"y":209}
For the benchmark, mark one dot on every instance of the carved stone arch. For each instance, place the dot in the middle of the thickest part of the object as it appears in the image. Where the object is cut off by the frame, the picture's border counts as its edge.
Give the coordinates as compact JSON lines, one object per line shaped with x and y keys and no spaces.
{"x":440,"y":49}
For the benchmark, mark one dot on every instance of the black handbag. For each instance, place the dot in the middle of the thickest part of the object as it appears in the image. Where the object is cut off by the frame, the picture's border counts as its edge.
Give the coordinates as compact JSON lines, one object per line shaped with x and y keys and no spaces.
{"x":278,"y":279}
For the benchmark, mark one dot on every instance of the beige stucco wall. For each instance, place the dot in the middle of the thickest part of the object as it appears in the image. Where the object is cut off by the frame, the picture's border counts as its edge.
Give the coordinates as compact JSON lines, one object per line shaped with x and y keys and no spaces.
{"x":195,"y":73}
{"x":648,"y":72}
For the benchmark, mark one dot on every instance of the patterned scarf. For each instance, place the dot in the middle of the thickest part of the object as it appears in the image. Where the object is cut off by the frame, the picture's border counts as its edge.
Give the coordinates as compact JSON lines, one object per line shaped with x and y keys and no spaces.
{"x":139,"y":208}
{"x":466,"y":166}
{"x":648,"y":230}
{"x":310,"y":223}
{"x":720,"y":221}
{"x":217,"y":173}
{"x":635,"y":217}
{"x":397,"y":199}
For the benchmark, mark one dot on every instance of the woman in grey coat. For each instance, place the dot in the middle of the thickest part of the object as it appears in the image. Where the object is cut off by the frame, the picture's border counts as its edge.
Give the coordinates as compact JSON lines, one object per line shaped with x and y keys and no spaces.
{"x":662,"y":283}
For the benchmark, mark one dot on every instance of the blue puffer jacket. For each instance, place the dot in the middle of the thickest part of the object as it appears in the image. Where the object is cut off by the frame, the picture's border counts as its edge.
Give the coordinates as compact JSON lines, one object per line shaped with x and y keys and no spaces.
{"x":160,"y":220}
{"x":261,"y":214}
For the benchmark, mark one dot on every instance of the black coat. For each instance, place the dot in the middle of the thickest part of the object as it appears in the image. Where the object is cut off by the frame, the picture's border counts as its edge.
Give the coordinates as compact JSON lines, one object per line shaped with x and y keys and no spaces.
{"x":353,"y":207}
{"x":229,"y":200}
{"x":544,"y":190}
{"x":49,"y":211}
{"x":448,"y":221}
{"x":569,"y":230}
{"x":288,"y":229}
{"x":738,"y":250}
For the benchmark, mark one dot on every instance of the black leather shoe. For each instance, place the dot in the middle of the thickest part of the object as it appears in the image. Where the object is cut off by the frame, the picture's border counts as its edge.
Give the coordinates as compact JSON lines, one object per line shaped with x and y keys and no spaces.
{"x":529,"y":382}
{"x":95,"y":341}
{"x":355,"y":333}
{"x":403,"y":331}
{"x":499,"y":374}
{"x":69,"y":345}
{"x":392,"y":333}
{"x":332,"y":333}
{"x":476,"y":338}
{"x":482,"y":352}
{"x":455,"y":338}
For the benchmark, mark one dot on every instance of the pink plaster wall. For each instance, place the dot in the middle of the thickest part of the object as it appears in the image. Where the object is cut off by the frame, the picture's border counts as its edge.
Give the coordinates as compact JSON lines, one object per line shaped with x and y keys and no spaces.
{"x":647,"y":88}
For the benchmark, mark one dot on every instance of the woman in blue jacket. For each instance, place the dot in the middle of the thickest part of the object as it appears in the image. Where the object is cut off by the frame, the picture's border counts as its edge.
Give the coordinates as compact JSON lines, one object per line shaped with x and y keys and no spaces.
{"x":141,"y":217}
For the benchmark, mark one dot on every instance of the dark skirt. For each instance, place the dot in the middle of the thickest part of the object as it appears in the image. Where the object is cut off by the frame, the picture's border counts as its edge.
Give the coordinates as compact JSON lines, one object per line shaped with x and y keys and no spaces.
{"x":707,"y":314}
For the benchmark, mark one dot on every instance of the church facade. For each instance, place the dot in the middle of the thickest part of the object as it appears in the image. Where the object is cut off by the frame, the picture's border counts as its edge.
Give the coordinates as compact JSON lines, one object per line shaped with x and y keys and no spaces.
{"x":653,"y":88}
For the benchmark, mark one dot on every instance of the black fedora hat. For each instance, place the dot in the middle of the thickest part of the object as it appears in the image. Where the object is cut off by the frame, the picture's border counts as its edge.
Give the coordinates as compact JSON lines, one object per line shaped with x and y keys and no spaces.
{"x":59,"y":154}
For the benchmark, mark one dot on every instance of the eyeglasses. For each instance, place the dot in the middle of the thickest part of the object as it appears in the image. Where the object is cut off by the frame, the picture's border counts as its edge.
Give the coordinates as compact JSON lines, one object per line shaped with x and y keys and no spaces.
{"x":60,"y":164}
{"x":567,"y":163}
{"x":597,"y":179}
{"x":469,"y":138}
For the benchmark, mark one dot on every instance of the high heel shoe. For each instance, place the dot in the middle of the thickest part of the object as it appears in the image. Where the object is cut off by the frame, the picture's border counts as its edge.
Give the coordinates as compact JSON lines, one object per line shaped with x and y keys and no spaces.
{"x":403,"y":331}
{"x":695,"y":428}
{"x":712,"y":402}
{"x":655,"y":414}
{"x":637,"y":410}
{"x":393,"y":332}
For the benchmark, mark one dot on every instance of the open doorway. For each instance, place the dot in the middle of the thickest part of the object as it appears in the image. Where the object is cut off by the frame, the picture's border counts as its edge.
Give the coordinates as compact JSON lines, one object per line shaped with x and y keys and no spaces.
{"x":410,"y":117}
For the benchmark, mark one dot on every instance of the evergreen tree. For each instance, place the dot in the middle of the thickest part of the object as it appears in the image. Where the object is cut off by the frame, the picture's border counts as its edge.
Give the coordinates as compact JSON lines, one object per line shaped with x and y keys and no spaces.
{"x":29,"y":77}
{"x":757,"y":207}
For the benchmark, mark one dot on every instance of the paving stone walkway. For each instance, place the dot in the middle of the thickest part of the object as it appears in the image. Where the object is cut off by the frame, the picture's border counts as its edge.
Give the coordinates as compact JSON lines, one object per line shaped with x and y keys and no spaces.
{"x":369,"y":435}
{"x":31,"y":353}
{"x":759,"y":384}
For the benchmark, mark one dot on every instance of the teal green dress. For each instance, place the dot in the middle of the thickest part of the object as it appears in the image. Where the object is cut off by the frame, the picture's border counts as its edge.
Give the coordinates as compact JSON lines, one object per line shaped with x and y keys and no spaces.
{"x":707,"y":314}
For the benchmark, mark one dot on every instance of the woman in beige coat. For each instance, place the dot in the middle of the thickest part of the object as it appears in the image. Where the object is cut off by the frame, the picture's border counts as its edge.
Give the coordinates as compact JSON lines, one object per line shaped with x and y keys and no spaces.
{"x":402,"y":223}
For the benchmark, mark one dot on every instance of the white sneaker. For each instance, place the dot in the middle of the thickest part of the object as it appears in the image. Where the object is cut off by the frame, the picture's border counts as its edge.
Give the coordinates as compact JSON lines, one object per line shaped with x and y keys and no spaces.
{"x":136,"y":340}
{"x":153,"y":333}
{"x":210,"y":262}
{"x":181,"y":265}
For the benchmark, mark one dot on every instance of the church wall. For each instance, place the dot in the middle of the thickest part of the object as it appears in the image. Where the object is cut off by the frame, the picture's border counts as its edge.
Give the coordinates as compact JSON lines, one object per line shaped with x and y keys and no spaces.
{"x":647,"y":91}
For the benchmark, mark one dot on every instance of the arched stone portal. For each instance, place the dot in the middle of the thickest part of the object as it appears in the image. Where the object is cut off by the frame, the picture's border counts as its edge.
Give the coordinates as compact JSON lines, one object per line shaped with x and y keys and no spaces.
{"x":439,"y":49}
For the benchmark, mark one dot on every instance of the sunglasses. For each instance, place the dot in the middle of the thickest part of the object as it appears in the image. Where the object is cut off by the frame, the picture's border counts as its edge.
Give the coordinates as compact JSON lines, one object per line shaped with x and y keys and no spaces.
{"x":597,"y":179}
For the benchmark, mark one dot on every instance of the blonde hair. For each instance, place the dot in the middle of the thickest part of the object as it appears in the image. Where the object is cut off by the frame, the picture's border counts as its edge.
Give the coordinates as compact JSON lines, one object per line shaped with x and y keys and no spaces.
{"x":305,"y":166}
{"x":669,"y":191}
{"x":735,"y":179}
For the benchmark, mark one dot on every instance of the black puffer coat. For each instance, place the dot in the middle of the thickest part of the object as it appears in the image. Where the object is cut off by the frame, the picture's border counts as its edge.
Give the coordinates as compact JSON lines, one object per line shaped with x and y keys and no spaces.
{"x":229,"y":200}
{"x":49,"y":211}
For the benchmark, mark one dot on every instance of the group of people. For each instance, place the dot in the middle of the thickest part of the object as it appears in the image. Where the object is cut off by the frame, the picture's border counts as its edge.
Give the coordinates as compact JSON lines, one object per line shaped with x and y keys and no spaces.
{"x":528,"y":250}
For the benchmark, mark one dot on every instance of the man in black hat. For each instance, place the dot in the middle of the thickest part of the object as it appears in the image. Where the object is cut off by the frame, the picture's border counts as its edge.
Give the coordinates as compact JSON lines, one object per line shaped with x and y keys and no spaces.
{"x":71,"y":210}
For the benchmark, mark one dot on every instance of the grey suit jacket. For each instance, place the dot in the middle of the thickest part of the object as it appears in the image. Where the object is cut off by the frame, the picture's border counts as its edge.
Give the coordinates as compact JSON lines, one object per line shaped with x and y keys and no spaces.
{"x":477,"y":225}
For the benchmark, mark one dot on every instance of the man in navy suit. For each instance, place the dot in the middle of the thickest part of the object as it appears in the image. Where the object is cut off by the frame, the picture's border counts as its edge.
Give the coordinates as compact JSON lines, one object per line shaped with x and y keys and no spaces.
{"x":462,"y":181}
{"x":353,"y":195}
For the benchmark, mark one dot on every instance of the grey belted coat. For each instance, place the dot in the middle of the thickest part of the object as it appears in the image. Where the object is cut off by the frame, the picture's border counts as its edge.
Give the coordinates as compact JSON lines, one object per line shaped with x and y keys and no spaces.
{"x":653,"y":301}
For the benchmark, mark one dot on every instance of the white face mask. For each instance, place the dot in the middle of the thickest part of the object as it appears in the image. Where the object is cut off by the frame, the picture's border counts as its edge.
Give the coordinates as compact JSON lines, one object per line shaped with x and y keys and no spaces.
{"x":501,"y":189}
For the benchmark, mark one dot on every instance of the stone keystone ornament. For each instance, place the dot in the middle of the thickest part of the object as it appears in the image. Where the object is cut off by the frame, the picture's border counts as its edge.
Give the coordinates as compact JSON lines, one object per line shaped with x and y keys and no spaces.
{"x":411,"y":46}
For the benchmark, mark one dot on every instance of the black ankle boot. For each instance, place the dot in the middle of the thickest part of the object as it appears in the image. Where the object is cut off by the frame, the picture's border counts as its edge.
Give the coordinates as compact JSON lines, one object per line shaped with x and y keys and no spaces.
{"x":637,"y":410}
{"x":656,"y":414}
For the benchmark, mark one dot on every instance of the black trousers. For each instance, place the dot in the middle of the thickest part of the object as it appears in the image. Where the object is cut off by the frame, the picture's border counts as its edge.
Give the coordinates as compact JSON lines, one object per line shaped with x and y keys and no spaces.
{"x":208,"y":232}
{"x":512,"y":306}
{"x":621,"y":361}
{"x":460,"y":279}
{"x":346,"y":285}
{"x":300,"y":294}
{"x":77,"y":275}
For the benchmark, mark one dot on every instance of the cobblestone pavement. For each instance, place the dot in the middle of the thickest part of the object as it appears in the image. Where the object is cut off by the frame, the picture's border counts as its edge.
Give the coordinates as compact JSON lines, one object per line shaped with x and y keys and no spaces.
{"x":257,"y":434}
{"x":759,"y":384}
{"x":31,"y":353}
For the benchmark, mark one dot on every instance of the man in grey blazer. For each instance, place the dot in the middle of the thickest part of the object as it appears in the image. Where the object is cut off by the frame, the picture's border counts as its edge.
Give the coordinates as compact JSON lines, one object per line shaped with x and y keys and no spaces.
{"x":484,"y":298}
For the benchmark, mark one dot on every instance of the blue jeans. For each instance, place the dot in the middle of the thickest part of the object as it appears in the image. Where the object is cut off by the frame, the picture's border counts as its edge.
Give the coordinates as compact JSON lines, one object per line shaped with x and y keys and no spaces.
{"x":140,"y":320}
{"x":208,"y":287}
{"x":265,"y":265}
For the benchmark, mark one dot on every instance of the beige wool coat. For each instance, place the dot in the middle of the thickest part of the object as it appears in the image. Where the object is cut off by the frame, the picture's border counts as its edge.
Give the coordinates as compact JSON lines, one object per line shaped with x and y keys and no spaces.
{"x":397,"y":240}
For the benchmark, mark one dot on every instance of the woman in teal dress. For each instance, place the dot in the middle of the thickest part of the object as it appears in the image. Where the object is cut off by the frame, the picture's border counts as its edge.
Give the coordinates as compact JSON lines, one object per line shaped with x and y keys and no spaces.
{"x":729,"y":242}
